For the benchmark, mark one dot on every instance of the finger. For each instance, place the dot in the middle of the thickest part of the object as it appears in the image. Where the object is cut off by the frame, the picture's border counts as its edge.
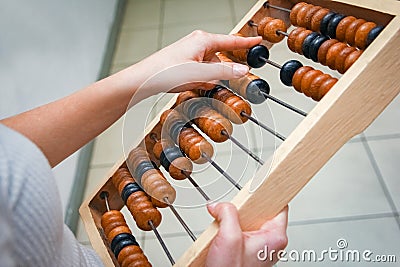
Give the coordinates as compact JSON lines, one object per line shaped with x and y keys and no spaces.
{"x":228,"y":218}
{"x":221,"y":42}
{"x":280,"y":221}
{"x":223,"y":70}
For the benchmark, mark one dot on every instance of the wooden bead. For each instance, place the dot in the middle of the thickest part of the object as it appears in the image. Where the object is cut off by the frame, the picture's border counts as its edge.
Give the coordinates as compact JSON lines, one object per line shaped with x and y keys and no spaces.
{"x":362,"y":34}
{"x":302,"y":14}
{"x":270,"y":30}
{"x":351,"y":59}
{"x":156,"y":186}
{"x":351,"y":30}
{"x":316,"y":19}
{"x":298,"y":75}
{"x":294,"y":11}
{"x":118,"y":230}
{"x":261,"y":25}
{"x":307,"y":79}
{"x":193,"y":145}
{"x":132,"y":256}
{"x":299,"y":41}
{"x":158,"y":204}
{"x":110,"y":216}
{"x":332,"y":54}
{"x":240,"y":55}
{"x":224,"y":58}
{"x":184,"y":96}
{"x":325,"y":87}
{"x":308,"y":17}
{"x":323,"y":50}
{"x":292,"y":38}
{"x":143,"y":210}
{"x":178,"y":165}
{"x":113,"y":224}
{"x":341,"y":57}
{"x":342,"y":27}
{"x":316,"y":84}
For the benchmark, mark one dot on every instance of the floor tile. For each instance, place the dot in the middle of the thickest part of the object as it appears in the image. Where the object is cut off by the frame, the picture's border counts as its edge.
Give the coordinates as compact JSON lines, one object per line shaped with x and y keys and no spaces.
{"x":345,"y":186}
{"x":386,"y":154}
{"x":188,"y":11}
{"x":380,"y":236}
{"x":387,"y":122}
{"x":142,"y":14}
{"x":134,"y":45}
{"x":172,"y":33}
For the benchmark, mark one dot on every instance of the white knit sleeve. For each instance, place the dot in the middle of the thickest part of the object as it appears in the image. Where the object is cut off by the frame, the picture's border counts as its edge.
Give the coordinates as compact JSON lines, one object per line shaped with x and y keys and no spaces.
{"x":32,"y":231}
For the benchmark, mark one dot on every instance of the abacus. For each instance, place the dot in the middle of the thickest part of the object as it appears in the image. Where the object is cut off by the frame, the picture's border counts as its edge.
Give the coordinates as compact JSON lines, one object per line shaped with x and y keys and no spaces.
{"x":358,"y":39}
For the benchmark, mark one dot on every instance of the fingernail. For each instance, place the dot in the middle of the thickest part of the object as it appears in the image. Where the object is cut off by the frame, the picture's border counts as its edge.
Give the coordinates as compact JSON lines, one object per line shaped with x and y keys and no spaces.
{"x":240,"y":70}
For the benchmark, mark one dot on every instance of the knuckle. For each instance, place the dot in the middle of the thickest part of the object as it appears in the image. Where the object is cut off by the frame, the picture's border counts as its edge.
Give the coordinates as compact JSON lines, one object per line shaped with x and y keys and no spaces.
{"x":198,"y":33}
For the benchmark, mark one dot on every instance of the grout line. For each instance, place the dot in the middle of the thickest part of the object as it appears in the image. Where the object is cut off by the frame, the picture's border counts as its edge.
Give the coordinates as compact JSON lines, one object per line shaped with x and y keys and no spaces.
{"x":380,"y":177}
{"x":382,"y":137}
{"x":345,"y":219}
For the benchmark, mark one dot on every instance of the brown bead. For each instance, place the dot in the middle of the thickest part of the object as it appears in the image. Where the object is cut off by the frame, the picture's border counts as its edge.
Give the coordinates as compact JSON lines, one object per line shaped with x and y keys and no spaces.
{"x":325,"y":87}
{"x":351,"y":59}
{"x":143,"y":211}
{"x":316,"y":19}
{"x":323,"y":50}
{"x":307,"y":79}
{"x":224,"y":58}
{"x":362,"y":34}
{"x":294,"y":11}
{"x":270,"y":31}
{"x":310,"y":13}
{"x":351,"y":30}
{"x":332,"y":54}
{"x":193,"y":145}
{"x":342,"y":27}
{"x":299,"y":41}
{"x":156,"y":186}
{"x":158,"y":203}
{"x":240,"y":55}
{"x":316,"y":84}
{"x":261,"y":25}
{"x":341,"y":57}
{"x":184,"y":96}
{"x":132,"y":255}
{"x":118,"y":230}
{"x":301,"y":15}
{"x":178,"y":166}
{"x":110,"y":216}
{"x":113,"y":224}
{"x":298,"y":75}
{"x":292,"y":38}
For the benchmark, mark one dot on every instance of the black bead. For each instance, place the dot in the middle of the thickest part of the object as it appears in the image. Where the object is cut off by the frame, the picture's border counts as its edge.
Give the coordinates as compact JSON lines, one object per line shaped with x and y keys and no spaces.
{"x":315,"y":45}
{"x":121,"y":241}
{"x":193,"y":107}
{"x":143,"y":167}
{"x":128,"y":190}
{"x":254,"y":89}
{"x":332,"y":25}
{"x":373,"y":34}
{"x":210,"y":93}
{"x":323,"y":28}
{"x":168,"y":155}
{"x":307,"y":42}
{"x":287,"y":71}
{"x":255,"y":55}
{"x":176,"y":129}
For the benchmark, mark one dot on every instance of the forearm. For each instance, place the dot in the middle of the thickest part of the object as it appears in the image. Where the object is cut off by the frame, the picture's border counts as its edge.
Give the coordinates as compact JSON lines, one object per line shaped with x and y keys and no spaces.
{"x":62,"y":127}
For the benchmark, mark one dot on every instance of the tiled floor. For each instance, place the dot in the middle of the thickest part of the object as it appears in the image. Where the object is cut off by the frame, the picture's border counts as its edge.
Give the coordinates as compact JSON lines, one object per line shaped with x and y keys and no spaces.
{"x":356,"y":196}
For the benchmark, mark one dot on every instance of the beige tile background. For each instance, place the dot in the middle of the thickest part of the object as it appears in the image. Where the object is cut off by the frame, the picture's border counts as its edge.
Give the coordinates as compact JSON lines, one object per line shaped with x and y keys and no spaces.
{"x":356,"y":196}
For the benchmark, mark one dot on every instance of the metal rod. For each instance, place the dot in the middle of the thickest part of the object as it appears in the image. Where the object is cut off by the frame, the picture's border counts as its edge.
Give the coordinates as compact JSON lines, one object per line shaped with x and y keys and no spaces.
{"x":242,"y":147}
{"x":283,"y":33}
{"x":182,"y":222}
{"x":252,"y":24}
{"x":286,"y":105}
{"x":270,"y":62}
{"x":265,"y":127}
{"x":161,"y":242}
{"x":153,"y":136}
{"x":193,"y":182}
{"x":266,"y":4}
{"x":104,"y":196}
{"x":220,"y":170}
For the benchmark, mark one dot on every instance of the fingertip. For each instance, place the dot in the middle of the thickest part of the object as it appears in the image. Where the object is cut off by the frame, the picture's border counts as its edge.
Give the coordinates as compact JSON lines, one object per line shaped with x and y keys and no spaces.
{"x":211,"y":208}
{"x":239,"y":70}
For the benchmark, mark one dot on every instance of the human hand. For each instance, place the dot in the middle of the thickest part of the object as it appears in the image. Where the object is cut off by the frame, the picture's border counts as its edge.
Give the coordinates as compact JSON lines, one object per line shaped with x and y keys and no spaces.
{"x":233,"y":247}
{"x":189,"y":63}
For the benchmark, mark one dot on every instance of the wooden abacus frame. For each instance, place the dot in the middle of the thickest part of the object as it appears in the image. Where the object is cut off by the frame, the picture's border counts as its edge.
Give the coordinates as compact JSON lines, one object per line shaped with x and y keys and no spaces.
{"x":359,"y":96}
